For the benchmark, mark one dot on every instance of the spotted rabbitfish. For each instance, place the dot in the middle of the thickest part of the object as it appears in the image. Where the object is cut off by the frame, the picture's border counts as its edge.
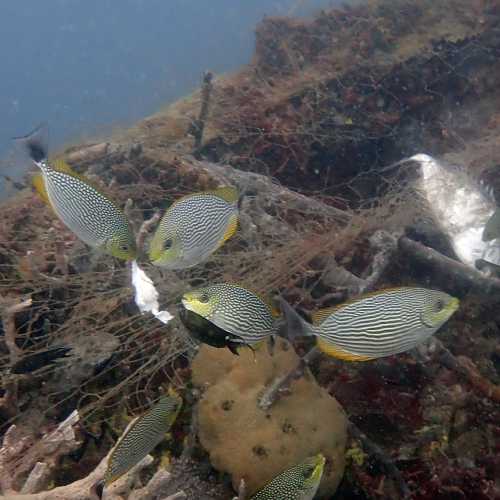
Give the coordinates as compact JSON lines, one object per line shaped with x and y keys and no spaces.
{"x":142,"y":436}
{"x":377,"y":324}
{"x":227,"y":315}
{"x":300,"y":482}
{"x":194,"y":227}
{"x":95,"y":219}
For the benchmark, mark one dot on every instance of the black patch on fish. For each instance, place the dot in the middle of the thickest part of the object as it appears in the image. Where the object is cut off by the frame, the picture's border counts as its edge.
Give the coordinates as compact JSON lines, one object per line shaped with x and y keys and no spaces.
{"x":36,"y":152}
{"x":205,"y":331}
{"x":36,"y":143}
{"x":32,"y":362}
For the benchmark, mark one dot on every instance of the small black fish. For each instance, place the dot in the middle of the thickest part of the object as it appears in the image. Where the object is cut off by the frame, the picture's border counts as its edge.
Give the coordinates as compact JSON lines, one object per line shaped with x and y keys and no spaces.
{"x":36,"y":360}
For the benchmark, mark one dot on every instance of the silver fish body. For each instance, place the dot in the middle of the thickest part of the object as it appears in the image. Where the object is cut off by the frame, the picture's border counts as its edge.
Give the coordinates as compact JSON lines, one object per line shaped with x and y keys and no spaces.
{"x":90,"y":215}
{"x":194,"y":227}
{"x":142,"y":436}
{"x":379,"y":324}
{"x":300,"y":482}
{"x":84,"y":210}
{"x":235,"y":310}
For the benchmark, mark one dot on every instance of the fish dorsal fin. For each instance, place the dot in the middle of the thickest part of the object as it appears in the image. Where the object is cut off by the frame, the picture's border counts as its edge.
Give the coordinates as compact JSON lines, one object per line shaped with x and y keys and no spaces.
{"x":39,"y":184}
{"x":322,"y":314}
{"x":60,"y":165}
{"x":337,"y":352}
{"x":227,"y":193}
{"x":275,"y":312}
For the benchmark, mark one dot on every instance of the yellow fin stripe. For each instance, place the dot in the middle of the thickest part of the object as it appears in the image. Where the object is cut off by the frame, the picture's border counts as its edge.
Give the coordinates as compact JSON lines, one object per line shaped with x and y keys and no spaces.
{"x":338,"y":353}
{"x":39,"y":185}
{"x":61,"y":166}
{"x":227,"y":193}
{"x":321,"y":314}
{"x":231,"y":229}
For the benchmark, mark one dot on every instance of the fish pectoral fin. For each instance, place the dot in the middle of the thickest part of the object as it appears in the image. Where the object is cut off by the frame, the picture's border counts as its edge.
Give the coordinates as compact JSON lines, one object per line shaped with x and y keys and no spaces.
{"x":337,"y":352}
{"x":233,"y":348}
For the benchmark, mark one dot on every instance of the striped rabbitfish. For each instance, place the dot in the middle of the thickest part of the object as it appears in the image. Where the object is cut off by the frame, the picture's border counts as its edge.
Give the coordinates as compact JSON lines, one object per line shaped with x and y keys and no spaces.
{"x":300,"y":482}
{"x":378,"y":324}
{"x":95,"y":219}
{"x":194,"y":227}
{"x":142,"y":436}
{"x":241,"y":316}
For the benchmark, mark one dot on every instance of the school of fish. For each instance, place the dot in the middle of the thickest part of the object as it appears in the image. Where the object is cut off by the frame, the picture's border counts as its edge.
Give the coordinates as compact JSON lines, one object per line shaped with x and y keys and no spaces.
{"x":227,"y":315}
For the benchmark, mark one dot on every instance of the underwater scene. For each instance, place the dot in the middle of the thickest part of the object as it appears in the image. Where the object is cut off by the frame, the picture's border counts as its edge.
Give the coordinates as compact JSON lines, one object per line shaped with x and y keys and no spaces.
{"x":250,"y":250}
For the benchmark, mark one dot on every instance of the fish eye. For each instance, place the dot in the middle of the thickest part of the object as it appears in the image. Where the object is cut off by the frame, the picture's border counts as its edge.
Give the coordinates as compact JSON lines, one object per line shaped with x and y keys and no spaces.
{"x":439,"y":305}
{"x":307,"y":471}
{"x":124,"y":247}
{"x":204,"y":298}
{"x":168,"y":244}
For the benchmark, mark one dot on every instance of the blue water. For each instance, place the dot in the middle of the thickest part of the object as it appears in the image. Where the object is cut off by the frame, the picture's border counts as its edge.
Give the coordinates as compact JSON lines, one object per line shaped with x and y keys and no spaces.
{"x":85,"y":65}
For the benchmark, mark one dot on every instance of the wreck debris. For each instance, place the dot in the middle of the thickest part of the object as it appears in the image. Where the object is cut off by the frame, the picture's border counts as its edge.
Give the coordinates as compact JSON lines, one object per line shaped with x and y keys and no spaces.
{"x":8,"y":311}
{"x":197,"y":127}
{"x":21,"y":454}
{"x":451,"y":271}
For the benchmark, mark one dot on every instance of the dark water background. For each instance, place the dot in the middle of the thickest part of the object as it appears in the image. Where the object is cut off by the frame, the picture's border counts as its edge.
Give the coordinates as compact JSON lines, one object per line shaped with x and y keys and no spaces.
{"x":85,"y":65}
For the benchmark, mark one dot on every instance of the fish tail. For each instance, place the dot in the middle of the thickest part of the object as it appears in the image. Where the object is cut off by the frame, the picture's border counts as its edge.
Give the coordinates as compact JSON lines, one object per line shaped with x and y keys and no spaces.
{"x":36,"y":143}
{"x":294,"y":326}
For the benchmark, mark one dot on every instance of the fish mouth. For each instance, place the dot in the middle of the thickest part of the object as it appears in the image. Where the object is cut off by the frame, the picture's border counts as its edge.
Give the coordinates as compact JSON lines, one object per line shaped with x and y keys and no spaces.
{"x":187,"y":305}
{"x":454,"y":305}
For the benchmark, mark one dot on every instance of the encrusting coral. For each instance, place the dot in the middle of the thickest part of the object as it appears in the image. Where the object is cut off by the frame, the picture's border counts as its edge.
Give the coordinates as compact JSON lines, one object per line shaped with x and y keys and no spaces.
{"x":254,"y":444}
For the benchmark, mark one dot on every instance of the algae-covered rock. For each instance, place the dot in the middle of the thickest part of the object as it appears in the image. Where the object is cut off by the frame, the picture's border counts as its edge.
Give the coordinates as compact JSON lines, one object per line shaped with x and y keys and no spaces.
{"x":254,"y":444}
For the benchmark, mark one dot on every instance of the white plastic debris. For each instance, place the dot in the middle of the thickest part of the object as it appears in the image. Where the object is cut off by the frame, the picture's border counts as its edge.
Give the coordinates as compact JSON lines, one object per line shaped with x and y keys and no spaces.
{"x":461,"y":208}
{"x":146,"y":295}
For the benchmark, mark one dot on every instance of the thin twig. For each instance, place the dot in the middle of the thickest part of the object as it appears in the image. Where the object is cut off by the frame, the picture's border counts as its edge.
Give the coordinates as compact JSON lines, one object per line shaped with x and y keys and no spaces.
{"x":198,"y":126}
{"x":9,"y":325}
{"x":281,"y":385}
{"x":145,"y":228}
